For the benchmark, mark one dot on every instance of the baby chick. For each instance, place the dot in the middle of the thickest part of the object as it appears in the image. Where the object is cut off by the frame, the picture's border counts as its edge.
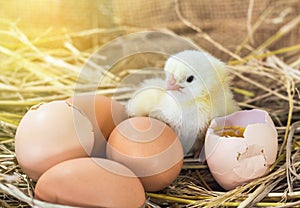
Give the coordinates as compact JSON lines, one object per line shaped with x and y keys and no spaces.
{"x":195,"y":90}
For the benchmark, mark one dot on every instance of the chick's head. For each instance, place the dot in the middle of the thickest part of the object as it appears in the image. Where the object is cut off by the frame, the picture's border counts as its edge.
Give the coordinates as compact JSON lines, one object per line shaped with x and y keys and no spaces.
{"x":194,"y":71}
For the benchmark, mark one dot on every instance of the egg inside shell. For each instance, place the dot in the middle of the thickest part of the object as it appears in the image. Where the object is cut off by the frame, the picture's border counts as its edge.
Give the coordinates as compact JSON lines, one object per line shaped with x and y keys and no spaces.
{"x":91,"y":182}
{"x":240,"y":147}
{"x":150,"y":148}
{"x":51,"y":133}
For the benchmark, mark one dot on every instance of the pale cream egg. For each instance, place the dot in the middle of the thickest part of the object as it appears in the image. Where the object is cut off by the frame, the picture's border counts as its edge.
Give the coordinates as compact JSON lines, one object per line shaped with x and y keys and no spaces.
{"x":51,"y":133}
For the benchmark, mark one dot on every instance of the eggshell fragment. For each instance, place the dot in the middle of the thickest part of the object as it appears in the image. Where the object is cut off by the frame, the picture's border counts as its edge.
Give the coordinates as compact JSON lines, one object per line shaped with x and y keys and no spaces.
{"x":51,"y":133}
{"x":91,"y":182}
{"x":149,"y":148}
{"x":236,"y":158}
{"x":104,"y":113}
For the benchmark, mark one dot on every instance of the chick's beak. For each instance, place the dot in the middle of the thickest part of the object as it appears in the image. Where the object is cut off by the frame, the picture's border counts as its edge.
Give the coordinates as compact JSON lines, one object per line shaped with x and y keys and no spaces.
{"x":172,"y":84}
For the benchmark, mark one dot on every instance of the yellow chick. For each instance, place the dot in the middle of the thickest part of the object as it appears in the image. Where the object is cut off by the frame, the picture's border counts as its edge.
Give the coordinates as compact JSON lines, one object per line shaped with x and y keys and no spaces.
{"x":195,"y":90}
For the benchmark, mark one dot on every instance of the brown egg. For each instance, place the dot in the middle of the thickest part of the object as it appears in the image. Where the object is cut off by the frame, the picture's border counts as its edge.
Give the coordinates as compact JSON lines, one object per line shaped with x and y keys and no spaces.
{"x":51,"y":133}
{"x":150,"y":148}
{"x":91,"y":182}
{"x":104,"y":113}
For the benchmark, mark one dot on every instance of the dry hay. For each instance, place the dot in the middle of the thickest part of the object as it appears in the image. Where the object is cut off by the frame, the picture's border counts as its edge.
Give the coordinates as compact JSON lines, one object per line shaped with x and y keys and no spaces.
{"x":265,"y":79}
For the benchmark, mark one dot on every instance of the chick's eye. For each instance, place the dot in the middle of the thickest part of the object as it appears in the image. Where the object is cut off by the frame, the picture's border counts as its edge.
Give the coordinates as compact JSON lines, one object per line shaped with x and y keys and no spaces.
{"x":190,"y":79}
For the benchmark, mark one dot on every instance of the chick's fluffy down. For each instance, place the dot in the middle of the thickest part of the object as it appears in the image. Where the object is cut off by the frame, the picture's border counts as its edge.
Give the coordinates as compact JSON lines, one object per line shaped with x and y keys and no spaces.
{"x":190,"y":108}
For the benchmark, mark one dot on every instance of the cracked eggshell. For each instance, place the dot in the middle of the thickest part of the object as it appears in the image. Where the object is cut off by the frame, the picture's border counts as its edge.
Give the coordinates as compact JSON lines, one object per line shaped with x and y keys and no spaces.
{"x":51,"y":133}
{"x":240,"y":147}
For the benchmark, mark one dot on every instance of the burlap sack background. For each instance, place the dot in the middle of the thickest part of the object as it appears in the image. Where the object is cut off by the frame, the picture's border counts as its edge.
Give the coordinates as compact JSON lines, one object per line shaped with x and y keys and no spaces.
{"x":224,"y":20}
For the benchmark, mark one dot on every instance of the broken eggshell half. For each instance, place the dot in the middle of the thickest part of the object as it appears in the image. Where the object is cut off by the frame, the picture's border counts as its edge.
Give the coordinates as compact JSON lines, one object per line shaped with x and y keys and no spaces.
{"x":240,"y":147}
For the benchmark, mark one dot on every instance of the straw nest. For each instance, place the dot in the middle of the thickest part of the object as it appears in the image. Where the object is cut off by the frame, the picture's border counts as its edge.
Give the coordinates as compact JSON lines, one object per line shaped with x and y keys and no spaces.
{"x":264,"y":79}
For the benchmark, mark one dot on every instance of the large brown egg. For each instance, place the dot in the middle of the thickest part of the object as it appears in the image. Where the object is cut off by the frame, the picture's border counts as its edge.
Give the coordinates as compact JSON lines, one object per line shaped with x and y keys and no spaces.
{"x":104,"y":113}
{"x":51,"y":133}
{"x":91,"y":182}
{"x":150,"y":148}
